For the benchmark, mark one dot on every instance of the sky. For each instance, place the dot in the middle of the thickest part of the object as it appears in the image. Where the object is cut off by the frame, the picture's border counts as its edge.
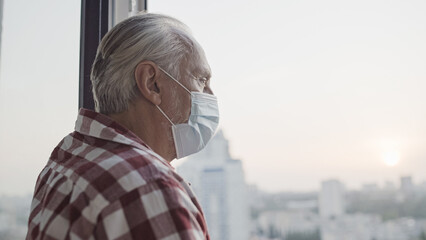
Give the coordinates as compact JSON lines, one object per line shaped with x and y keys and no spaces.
{"x":308,"y":90}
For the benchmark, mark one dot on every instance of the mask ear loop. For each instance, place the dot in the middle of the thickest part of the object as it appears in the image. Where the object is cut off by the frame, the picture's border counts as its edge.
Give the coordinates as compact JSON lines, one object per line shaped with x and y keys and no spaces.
{"x":170,"y":76}
{"x":164,"y":115}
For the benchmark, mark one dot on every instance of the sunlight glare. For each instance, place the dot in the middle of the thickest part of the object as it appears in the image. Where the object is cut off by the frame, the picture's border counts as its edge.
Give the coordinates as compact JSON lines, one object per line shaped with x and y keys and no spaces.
{"x":390,"y":149}
{"x":390,"y":158}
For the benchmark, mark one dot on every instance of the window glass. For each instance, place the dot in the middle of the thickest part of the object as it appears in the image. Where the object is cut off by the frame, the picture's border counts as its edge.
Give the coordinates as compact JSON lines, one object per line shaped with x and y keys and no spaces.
{"x":311,"y":90}
{"x":38,"y":96}
{"x":322,"y":101}
{"x":319,"y":97}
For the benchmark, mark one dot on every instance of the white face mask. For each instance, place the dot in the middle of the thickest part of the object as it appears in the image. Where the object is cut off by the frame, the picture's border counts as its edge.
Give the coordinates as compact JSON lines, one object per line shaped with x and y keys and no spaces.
{"x":193,"y":136}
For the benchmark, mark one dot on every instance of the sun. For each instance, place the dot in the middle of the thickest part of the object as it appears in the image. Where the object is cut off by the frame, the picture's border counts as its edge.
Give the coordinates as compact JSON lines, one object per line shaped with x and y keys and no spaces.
{"x":390,"y":151}
{"x":391,"y":158}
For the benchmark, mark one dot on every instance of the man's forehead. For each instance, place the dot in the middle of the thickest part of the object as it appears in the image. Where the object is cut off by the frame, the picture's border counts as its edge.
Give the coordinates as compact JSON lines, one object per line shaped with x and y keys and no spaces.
{"x":197,"y":65}
{"x":205,"y":72}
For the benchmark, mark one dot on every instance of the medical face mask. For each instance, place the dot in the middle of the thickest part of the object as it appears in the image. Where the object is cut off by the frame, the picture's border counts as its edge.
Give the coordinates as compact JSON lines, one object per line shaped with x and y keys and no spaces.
{"x":193,"y":136}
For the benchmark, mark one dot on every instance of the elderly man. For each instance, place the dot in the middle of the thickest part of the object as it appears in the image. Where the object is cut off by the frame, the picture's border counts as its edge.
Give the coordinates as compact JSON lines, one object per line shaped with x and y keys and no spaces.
{"x":111,"y":177}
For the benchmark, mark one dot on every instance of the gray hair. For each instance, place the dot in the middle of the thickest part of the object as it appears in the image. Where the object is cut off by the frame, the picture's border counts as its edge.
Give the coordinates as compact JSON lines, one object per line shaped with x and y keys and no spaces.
{"x":153,"y":37}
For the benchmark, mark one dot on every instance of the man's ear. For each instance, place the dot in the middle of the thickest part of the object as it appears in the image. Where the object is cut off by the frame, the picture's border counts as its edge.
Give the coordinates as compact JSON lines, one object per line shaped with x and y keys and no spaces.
{"x":146,"y":77}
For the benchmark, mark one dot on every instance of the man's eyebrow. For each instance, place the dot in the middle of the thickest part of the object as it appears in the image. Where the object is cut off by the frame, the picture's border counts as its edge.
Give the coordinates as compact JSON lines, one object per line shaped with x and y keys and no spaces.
{"x":203,"y":73}
{"x":207,"y":74}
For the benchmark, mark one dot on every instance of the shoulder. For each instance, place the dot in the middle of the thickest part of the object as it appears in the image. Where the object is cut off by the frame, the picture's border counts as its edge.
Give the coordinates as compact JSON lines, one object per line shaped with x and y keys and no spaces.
{"x":110,"y":171}
{"x":161,"y":208}
{"x":110,"y":168}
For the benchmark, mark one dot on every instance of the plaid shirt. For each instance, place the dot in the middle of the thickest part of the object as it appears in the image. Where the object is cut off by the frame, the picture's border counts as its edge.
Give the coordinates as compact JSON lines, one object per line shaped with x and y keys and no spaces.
{"x":103,"y":182}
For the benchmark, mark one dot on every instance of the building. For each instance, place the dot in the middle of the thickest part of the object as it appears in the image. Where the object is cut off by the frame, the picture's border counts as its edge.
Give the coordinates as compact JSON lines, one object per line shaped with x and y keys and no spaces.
{"x":282,"y":223}
{"x":218,"y":182}
{"x":331,"y":199}
{"x":14,"y":212}
{"x":407,"y":185}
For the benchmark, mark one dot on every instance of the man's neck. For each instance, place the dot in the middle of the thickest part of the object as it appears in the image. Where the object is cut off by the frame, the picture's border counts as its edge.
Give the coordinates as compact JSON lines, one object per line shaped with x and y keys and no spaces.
{"x":150,"y":127}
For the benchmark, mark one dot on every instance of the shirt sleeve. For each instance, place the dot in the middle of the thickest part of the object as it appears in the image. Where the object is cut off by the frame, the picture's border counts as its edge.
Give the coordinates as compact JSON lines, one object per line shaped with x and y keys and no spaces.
{"x":158,"y":210}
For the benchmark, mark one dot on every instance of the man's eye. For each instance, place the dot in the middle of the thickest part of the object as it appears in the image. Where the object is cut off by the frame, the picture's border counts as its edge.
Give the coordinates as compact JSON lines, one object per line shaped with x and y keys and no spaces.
{"x":203,"y":80}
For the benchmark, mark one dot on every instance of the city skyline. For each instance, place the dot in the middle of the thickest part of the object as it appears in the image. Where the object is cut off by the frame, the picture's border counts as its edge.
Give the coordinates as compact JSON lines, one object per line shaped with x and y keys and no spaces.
{"x":331,"y":213}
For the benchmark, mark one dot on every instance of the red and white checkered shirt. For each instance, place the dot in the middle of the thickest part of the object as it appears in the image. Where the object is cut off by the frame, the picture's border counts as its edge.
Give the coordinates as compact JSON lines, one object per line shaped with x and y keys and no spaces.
{"x":103,"y":182}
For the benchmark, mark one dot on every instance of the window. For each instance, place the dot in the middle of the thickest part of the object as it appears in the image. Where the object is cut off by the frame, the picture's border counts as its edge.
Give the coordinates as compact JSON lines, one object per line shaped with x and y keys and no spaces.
{"x":38,"y":96}
{"x":322,"y":101}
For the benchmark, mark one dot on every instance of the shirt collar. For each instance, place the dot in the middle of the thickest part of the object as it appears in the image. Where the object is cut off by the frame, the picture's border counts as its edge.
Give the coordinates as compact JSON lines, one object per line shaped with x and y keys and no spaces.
{"x":101,"y":126}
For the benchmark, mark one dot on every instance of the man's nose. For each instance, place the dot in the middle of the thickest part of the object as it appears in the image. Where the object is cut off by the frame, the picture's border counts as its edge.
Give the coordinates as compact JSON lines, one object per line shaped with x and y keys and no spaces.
{"x":208,"y":90}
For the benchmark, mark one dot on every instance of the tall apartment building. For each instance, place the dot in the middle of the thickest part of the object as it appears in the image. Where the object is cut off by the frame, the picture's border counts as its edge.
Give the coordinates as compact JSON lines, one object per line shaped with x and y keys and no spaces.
{"x":407,"y":185}
{"x":218,"y":182}
{"x":331,"y":199}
